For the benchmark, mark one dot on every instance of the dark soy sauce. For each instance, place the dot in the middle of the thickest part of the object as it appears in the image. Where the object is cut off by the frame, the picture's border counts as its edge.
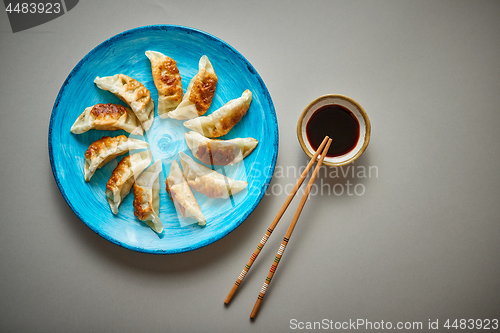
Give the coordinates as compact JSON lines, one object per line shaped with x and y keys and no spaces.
{"x":339,"y":124}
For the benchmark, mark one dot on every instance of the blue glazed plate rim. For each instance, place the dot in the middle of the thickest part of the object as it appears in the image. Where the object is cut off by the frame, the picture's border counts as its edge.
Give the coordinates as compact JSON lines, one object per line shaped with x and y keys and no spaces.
{"x":272,"y":115}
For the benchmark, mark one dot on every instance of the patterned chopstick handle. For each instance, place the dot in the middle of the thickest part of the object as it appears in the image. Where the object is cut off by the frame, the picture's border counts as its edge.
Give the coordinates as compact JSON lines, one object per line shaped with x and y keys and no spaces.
{"x":275,"y":222}
{"x":248,"y":265}
{"x":289,"y":231}
{"x":254,"y":256}
{"x":269,"y":277}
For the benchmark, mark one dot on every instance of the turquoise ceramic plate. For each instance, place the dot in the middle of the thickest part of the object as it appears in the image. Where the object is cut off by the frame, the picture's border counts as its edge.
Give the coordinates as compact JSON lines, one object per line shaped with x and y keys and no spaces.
{"x":124,"y":53}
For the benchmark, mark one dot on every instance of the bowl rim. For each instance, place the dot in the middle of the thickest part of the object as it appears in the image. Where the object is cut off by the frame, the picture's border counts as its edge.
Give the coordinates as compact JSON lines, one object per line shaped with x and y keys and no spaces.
{"x":363,"y":114}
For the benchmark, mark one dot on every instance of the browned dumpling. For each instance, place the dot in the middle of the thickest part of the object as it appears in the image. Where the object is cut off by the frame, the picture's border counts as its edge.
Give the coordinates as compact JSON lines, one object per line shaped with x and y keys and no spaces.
{"x":184,"y":201}
{"x":207,"y":181}
{"x":132,"y":92}
{"x":123,"y":177}
{"x":106,"y":149}
{"x":221,"y":121}
{"x":147,"y":197}
{"x":219,"y":152}
{"x":199,"y":94}
{"x":167,"y":81}
{"x":107,"y":117}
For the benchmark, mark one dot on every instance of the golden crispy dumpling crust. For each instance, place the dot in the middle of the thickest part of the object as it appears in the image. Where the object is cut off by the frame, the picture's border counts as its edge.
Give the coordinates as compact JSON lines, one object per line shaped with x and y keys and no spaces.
{"x":227,"y":123}
{"x":123,"y":177}
{"x":143,"y":203}
{"x":203,"y":91}
{"x":117,"y":177}
{"x":103,"y":144}
{"x":106,"y":149}
{"x":199,"y":93}
{"x":136,"y":91}
{"x":132,"y":92}
{"x":107,"y":117}
{"x":147,"y":197}
{"x":167,"y":79}
{"x":184,"y":201}
{"x":221,"y":121}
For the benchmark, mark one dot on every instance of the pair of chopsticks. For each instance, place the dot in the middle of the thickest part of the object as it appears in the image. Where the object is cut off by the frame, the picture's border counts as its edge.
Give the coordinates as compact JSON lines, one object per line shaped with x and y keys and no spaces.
{"x":288,"y":232}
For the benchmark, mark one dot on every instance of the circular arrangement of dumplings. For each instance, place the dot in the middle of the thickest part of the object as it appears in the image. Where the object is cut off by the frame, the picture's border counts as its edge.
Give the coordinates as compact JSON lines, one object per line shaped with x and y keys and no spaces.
{"x":136,"y":171}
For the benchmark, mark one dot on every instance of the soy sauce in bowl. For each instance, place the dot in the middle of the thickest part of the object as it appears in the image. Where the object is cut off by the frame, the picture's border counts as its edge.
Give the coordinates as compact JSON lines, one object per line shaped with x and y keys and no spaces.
{"x":339,"y":124}
{"x":342,"y":119}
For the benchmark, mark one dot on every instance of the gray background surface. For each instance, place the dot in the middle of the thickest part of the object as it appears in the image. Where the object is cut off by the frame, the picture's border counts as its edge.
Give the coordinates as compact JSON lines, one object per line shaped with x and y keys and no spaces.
{"x":421,"y":243}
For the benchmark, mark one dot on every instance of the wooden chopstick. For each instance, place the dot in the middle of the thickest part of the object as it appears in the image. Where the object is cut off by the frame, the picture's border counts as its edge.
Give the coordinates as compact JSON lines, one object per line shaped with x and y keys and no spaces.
{"x":274,"y":223}
{"x":289,"y":232}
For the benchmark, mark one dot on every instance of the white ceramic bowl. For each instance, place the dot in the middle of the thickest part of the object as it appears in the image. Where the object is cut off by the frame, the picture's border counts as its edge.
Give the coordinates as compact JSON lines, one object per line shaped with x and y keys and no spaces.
{"x":355,"y":109}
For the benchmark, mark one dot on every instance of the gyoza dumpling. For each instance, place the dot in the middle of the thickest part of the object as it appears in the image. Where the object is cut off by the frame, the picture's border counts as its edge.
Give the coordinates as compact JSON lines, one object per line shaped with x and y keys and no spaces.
{"x":167,"y":81}
{"x":184,"y":201}
{"x":123,"y":177}
{"x":219,"y":152}
{"x":132,"y":92}
{"x":207,"y":181}
{"x":106,"y":149}
{"x":199,"y":94}
{"x":222,"y":120}
{"x":107,"y":117}
{"x":147,"y":197}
